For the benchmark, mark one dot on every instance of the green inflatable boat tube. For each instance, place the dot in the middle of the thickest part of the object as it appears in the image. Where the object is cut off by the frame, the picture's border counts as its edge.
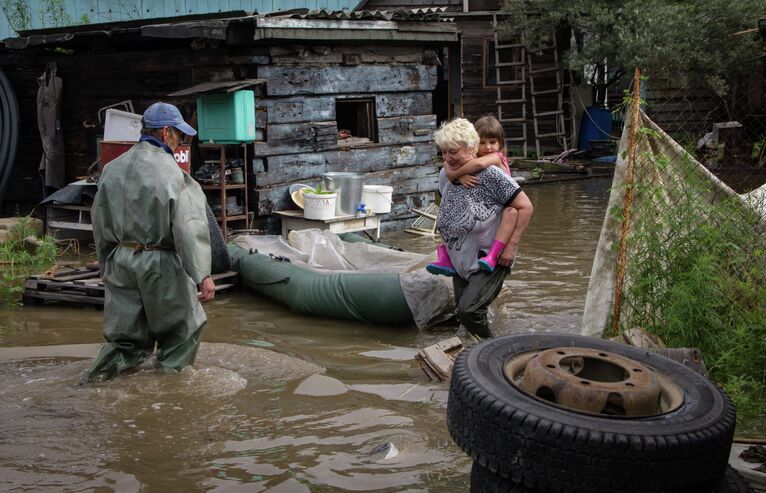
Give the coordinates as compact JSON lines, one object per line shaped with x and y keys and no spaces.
{"x":366,"y":297}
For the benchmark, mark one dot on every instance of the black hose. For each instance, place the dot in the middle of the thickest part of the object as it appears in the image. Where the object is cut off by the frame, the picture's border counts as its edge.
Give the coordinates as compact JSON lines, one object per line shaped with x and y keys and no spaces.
{"x":5,"y":136}
{"x":9,"y":121}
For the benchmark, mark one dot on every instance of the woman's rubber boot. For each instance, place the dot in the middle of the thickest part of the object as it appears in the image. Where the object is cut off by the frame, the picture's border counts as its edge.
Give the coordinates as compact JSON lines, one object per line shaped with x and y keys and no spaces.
{"x":443,"y":265}
{"x":489,"y":262}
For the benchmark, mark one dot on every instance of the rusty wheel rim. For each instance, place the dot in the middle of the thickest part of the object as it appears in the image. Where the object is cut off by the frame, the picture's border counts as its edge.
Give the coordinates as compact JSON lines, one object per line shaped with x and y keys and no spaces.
{"x":593,"y":382}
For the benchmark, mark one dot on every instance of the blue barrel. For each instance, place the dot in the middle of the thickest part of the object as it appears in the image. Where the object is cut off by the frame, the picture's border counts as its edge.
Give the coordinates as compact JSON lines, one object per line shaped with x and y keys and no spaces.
{"x":596,"y":124}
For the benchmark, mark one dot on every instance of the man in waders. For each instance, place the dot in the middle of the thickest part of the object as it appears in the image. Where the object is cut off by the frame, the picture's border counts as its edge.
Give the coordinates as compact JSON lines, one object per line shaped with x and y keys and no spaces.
{"x":153,"y":246}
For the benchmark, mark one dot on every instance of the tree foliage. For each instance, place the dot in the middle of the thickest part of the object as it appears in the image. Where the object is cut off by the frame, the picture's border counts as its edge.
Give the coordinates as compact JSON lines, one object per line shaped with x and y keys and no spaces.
{"x":18,"y":13}
{"x":687,"y":41}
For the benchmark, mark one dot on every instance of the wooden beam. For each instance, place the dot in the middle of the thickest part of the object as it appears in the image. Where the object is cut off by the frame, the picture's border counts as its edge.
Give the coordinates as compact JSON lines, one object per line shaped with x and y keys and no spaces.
{"x":296,"y":168}
{"x":289,"y":81}
{"x":404,"y":129}
{"x":298,"y":138}
{"x":322,"y":108}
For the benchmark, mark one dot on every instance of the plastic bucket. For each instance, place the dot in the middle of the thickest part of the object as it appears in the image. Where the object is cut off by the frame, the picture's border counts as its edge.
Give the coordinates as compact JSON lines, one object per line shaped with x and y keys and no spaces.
{"x":319,"y":205}
{"x":237,"y":176}
{"x":377,"y":198}
{"x":349,"y":187}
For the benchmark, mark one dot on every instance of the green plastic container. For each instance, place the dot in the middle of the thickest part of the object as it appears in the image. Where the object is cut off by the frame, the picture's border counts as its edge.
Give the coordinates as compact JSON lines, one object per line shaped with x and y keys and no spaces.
{"x":226,"y":118}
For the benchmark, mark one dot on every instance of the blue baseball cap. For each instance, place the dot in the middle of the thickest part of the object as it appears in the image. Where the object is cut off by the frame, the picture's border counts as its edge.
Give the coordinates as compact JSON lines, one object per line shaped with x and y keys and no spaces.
{"x":161,"y":115}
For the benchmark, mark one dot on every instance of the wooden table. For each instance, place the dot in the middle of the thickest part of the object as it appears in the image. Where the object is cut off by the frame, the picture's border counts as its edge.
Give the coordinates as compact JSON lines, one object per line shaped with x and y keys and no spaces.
{"x":293,"y":220}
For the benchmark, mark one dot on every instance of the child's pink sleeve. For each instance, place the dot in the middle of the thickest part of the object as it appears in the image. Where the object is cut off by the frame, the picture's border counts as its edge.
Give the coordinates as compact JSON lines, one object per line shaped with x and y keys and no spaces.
{"x":504,"y":162}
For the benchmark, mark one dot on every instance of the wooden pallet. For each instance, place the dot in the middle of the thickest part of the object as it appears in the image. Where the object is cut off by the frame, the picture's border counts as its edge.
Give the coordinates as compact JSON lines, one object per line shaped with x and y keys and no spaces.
{"x":83,"y":286}
{"x":437,"y":360}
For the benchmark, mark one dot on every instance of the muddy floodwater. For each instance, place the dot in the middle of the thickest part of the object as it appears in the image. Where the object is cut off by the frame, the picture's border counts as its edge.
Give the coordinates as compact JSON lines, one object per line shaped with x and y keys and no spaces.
{"x":276,"y":402}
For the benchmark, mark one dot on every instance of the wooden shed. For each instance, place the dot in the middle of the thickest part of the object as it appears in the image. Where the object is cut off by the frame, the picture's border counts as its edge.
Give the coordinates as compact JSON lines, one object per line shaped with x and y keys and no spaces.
{"x":380,"y":75}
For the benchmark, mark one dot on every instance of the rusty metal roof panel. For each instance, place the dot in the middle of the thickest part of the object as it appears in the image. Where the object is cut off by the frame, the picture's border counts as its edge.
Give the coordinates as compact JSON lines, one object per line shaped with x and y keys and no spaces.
{"x":431,"y":14}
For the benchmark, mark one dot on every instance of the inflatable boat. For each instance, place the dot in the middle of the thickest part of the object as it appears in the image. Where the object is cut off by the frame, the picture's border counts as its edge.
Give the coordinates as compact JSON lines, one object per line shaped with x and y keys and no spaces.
{"x":316,"y":273}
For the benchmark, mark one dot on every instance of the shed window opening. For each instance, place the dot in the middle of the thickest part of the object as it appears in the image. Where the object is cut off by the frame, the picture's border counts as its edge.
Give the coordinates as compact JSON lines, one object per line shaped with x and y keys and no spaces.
{"x":356,"y":120}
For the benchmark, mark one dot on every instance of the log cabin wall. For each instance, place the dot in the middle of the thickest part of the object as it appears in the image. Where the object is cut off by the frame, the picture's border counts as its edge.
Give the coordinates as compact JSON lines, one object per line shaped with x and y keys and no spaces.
{"x":479,"y":98}
{"x":298,"y":116}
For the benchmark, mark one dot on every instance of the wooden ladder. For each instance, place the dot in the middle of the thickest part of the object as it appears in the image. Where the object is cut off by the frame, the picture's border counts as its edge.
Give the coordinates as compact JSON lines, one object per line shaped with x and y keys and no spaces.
{"x":546,"y":80}
{"x":511,"y":77}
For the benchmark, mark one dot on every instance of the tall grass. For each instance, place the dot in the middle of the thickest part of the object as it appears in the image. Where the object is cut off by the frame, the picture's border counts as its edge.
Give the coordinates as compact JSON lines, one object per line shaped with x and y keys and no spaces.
{"x":19,"y":259}
{"x":697,"y":278}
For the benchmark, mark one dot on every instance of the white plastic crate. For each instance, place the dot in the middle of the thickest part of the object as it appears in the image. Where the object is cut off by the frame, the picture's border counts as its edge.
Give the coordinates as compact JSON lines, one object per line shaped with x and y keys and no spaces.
{"x":121,"y":126}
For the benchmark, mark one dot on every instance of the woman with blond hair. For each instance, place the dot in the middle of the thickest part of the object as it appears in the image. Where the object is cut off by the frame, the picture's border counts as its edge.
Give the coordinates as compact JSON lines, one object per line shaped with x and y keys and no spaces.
{"x":468,"y":220}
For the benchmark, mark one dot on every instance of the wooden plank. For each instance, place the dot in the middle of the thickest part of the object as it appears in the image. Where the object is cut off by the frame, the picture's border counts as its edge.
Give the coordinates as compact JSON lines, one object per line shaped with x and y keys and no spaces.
{"x":298,"y":138}
{"x":288,"y":81}
{"x":85,"y":275}
{"x":72,"y":298}
{"x":404,"y":129}
{"x":294,"y":110}
{"x":302,"y":55}
{"x":322,"y":108}
{"x":402,"y":104}
{"x":49,"y":285}
{"x":285,"y":169}
{"x":224,"y":275}
{"x":437,"y":360}
{"x":301,"y":138}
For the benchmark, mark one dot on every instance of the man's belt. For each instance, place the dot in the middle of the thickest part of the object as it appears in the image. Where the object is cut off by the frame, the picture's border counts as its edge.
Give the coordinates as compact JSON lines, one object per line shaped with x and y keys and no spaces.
{"x":142,"y":246}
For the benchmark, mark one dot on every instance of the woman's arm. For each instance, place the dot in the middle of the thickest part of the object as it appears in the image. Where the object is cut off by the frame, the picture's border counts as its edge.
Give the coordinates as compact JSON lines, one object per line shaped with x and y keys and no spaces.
{"x":473,"y":166}
{"x":523,"y":206}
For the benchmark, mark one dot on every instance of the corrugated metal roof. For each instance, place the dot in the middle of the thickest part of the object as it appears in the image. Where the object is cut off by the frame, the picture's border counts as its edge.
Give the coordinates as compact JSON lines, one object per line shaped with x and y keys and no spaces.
{"x":303,"y":24}
{"x":432,"y":14}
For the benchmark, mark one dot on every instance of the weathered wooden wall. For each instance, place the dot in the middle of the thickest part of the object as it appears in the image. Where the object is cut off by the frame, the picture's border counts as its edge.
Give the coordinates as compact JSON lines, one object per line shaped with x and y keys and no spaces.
{"x":478,"y":100}
{"x":295,"y":112}
{"x":298,"y":117}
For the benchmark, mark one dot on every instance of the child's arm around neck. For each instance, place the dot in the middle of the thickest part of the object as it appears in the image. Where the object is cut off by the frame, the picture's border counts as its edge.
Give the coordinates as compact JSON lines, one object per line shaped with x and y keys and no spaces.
{"x":474,"y":166}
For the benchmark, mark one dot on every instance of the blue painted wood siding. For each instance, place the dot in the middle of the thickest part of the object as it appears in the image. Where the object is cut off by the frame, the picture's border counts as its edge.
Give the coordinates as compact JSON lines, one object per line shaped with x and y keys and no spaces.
{"x":95,"y":11}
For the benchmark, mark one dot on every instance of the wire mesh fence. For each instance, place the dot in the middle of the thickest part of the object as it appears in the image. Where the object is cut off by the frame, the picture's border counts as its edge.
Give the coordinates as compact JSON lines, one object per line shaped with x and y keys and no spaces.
{"x":688,"y":217}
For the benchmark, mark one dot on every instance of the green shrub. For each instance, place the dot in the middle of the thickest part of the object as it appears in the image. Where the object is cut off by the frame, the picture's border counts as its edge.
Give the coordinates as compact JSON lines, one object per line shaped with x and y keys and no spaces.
{"x":696,"y":277}
{"x":19,"y":258}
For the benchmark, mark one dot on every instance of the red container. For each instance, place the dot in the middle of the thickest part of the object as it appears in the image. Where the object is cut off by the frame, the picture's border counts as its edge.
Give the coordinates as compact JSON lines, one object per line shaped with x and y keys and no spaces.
{"x":112,"y":150}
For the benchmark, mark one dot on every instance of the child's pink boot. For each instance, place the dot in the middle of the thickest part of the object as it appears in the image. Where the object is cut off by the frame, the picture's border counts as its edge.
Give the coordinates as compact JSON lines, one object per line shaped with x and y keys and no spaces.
{"x":443,"y":265}
{"x":489,"y":262}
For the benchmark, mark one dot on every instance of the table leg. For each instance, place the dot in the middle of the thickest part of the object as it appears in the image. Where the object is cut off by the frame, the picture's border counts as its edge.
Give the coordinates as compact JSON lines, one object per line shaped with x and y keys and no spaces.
{"x":284,"y":228}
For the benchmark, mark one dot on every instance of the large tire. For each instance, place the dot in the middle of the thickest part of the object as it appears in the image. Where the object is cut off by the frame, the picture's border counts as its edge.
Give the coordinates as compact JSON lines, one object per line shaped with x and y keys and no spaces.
{"x":485,"y":481}
{"x":220,"y":260}
{"x":732,"y":482}
{"x":550,"y":449}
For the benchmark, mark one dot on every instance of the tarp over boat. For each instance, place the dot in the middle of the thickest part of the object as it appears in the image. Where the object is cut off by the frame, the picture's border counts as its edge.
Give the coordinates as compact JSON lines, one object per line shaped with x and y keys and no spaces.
{"x":329,"y":277}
